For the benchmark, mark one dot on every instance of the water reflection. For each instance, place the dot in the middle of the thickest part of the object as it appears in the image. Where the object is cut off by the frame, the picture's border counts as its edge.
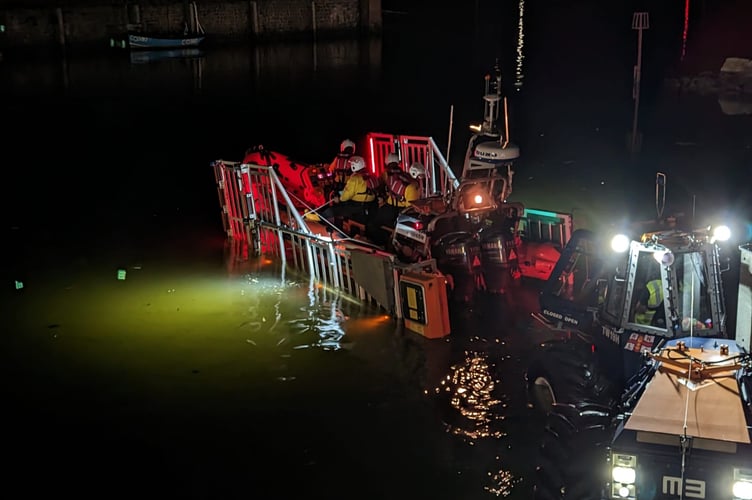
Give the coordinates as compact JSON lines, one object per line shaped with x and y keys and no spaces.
{"x":150,"y":56}
{"x":323,"y":319}
{"x":470,"y":390}
{"x":518,"y":80}
{"x":469,"y":387}
{"x":685,"y":31}
{"x":318,"y":324}
{"x":273,"y":66}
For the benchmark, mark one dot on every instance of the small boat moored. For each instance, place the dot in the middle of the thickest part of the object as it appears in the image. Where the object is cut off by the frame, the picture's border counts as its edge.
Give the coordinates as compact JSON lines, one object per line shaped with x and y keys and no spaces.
{"x":137,"y":41}
{"x":139,"y":37}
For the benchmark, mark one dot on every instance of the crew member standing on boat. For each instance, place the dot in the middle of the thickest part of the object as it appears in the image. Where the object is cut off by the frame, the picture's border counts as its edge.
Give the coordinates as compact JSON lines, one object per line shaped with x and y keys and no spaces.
{"x":340,"y":166}
{"x":357,"y":200}
{"x":401,"y":190}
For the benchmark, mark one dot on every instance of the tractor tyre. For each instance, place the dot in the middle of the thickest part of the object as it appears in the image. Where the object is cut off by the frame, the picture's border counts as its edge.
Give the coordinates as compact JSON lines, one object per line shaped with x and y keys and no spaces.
{"x":574,"y":446}
{"x":566,"y":372}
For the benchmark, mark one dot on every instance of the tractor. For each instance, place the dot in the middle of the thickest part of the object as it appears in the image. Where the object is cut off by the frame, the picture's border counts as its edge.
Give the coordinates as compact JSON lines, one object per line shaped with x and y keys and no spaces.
{"x":644,"y":400}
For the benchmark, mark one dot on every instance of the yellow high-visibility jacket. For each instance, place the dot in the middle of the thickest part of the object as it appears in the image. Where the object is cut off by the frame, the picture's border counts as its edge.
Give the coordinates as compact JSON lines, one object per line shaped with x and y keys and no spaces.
{"x":356,"y":189}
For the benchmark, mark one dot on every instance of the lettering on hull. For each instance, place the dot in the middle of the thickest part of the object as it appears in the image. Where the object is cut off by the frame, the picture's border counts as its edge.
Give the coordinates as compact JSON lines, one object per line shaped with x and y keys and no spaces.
{"x":693,"y":488}
{"x":411,"y":233}
{"x":561,"y":317}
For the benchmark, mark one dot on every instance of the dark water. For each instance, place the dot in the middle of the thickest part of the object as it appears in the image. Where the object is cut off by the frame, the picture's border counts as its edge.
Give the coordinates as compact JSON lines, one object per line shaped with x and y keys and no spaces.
{"x":206,"y":374}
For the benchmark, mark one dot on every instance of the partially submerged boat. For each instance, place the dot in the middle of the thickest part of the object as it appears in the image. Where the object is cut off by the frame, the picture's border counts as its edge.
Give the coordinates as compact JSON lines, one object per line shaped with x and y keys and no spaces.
{"x":478,"y":237}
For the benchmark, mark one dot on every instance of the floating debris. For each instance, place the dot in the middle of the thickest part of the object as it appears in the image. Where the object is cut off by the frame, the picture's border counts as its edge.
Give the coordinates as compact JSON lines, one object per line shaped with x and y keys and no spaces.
{"x":250,"y":341}
{"x":252,"y":325}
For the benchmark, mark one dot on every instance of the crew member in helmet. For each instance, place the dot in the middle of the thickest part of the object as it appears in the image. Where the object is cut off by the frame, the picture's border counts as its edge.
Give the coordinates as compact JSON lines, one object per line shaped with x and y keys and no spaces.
{"x":340,"y":166}
{"x":391,"y":164}
{"x":357,"y":199}
{"x":401,"y":189}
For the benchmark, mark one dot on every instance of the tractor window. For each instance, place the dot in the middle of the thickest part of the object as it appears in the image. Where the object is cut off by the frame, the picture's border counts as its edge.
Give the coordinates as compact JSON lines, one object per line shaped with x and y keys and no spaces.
{"x":693,"y":299}
{"x":647,"y":307}
{"x":577,"y":281}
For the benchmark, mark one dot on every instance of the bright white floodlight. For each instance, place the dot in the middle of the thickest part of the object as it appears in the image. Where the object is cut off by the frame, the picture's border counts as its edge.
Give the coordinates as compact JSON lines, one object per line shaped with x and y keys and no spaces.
{"x":721,"y":233}
{"x":620,"y":243}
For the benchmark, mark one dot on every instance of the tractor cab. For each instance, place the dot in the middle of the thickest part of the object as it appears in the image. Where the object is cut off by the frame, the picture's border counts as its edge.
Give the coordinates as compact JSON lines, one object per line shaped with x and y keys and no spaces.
{"x":680,"y":270}
{"x":685,"y":268}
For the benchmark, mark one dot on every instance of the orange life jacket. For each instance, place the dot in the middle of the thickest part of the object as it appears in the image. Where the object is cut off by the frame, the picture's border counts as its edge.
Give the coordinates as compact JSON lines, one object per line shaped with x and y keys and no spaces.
{"x":396,"y":186}
{"x":372,"y":183}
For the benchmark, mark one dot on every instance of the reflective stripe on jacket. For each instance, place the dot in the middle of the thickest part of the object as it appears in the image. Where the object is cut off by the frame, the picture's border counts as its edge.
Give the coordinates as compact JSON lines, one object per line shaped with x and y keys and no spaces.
{"x":655,"y":299}
{"x":656,"y":293}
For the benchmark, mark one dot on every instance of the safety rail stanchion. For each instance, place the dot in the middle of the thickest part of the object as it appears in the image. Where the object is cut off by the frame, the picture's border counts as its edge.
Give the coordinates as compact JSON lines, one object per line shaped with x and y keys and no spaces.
{"x":335,"y":270}
{"x":319,"y":265}
{"x":233,"y":203}
{"x":278,"y":221}
{"x":446,"y":170}
{"x":219,"y":178}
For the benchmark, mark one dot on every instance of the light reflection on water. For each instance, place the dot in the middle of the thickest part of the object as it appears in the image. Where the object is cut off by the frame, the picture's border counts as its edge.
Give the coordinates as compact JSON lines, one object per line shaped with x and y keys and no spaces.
{"x":317,"y":323}
{"x":470,"y":387}
{"x":518,"y":75}
{"x":471,"y":391}
{"x":245,"y":344}
{"x":165,"y":319}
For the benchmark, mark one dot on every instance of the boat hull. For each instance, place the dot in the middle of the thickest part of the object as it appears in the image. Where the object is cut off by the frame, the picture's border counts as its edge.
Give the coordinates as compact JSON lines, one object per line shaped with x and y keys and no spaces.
{"x":157,"y":42}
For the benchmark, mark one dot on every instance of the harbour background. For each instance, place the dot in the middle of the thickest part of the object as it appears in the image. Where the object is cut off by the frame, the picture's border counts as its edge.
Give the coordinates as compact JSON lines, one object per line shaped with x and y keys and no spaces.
{"x":204,"y":374}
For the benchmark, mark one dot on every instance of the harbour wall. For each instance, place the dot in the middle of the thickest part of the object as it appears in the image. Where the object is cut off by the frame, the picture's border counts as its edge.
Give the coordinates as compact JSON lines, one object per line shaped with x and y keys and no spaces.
{"x":92,"y":24}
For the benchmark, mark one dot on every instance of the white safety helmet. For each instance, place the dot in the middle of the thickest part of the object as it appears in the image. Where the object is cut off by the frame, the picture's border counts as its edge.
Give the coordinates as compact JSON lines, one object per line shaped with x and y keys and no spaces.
{"x":392,"y":158}
{"x":357,"y":163}
{"x":417,"y":170}
{"x":347,"y":143}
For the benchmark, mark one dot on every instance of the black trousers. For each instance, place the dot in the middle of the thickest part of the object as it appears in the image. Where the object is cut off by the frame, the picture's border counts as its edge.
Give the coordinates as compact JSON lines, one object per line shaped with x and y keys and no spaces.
{"x":385,"y":217}
{"x":359,"y":211}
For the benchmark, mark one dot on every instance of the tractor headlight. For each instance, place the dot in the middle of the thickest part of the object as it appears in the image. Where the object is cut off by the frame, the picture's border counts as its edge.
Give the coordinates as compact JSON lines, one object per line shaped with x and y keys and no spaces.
{"x":620,"y":243}
{"x":623,"y":475}
{"x":742,"y":487}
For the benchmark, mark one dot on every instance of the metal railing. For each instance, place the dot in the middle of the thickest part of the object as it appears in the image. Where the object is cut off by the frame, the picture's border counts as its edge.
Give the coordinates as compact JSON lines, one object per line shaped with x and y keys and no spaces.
{"x":257,"y":209}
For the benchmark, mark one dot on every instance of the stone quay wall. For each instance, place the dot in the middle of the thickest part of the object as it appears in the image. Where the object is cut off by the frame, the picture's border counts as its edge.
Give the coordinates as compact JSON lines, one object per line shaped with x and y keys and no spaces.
{"x":91,"y":23}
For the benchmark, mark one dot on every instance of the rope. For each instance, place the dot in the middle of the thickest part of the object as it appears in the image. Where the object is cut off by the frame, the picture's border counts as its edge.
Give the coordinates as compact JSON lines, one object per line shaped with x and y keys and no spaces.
{"x":684,"y":440}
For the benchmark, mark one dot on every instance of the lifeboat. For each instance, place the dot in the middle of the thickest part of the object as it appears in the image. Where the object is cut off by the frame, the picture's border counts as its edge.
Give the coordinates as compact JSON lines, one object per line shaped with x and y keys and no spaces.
{"x":309,"y":185}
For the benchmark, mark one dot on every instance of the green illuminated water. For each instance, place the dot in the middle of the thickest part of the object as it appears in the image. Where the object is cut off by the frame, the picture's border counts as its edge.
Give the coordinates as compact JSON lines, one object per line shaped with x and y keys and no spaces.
{"x":233,"y":377}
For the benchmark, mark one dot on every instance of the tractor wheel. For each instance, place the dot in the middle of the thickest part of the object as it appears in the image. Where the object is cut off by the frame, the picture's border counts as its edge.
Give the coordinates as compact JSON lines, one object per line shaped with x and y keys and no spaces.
{"x":541,"y":392}
{"x":566,"y":373}
{"x":573,"y":448}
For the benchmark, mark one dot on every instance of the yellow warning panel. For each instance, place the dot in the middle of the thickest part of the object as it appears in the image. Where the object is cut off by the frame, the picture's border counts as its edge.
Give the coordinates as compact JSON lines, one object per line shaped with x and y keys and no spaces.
{"x":412,"y":297}
{"x":424,"y":304}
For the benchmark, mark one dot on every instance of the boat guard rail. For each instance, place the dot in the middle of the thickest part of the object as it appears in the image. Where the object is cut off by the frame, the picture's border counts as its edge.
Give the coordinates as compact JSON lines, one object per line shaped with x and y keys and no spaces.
{"x":257,"y":210}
